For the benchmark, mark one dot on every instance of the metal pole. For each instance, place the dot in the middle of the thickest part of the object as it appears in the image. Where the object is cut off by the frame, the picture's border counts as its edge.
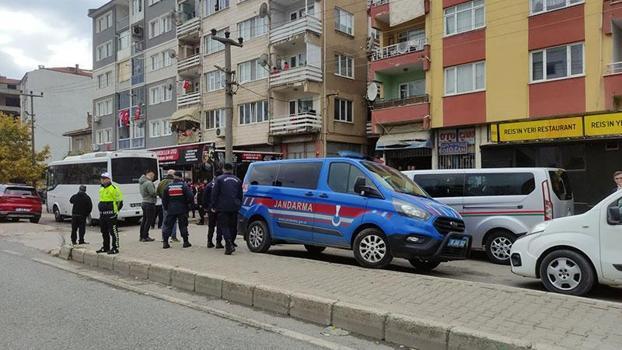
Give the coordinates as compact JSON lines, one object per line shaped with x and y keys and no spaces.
{"x":228,"y":106}
{"x":32,"y":127}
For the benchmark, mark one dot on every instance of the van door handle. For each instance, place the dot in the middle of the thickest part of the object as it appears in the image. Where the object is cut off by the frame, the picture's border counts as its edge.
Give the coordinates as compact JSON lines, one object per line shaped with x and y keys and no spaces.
{"x":323,"y":195}
{"x":309,"y":194}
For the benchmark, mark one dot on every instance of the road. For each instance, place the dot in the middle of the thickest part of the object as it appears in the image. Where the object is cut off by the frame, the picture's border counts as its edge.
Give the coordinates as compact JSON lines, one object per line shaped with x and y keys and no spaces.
{"x":47,"y":308}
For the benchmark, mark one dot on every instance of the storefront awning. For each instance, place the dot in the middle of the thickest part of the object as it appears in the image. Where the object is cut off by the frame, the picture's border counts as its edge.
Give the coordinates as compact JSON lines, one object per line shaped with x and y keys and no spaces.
{"x":411,"y":140}
{"x":186,"y":114}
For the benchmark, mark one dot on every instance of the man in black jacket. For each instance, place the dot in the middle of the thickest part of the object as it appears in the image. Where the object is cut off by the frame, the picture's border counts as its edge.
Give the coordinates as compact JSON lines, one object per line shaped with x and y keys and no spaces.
{"x":211,"y":216}
{"x":176,"y":200}
{"x":226,"y":202}
{"x":82,"y":206}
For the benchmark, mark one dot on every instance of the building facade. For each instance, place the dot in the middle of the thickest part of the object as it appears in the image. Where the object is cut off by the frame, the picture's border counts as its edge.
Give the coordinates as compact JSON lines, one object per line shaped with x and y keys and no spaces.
{"x":67,"y":94}
{"x":80,"y":140}
{"x":500,"y":83}
{"x":9,"y":96}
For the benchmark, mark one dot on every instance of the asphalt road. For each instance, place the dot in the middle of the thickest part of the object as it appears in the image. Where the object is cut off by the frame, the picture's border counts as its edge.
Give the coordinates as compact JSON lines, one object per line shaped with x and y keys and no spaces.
{"x":46,"y":308}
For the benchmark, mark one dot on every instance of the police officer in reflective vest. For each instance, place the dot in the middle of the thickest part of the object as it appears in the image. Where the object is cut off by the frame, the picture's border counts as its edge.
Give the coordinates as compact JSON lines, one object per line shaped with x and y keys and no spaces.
{"x":226,"y":202}
{"x":110,"y":202}
{"x":176,"y":200}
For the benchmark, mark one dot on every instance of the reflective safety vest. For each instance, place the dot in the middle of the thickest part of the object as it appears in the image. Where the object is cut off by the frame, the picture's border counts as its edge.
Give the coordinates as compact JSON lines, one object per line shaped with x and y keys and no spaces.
{"x":109,"y":199}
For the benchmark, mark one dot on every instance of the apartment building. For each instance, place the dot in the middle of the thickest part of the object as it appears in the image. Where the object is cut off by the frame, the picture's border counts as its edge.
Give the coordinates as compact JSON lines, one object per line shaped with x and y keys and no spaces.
{"x":300,"y":75}
{"x":505,"y":83}
{"x":134,"y":74}
{"x":9,"y":96}
{"x":80,"y":140}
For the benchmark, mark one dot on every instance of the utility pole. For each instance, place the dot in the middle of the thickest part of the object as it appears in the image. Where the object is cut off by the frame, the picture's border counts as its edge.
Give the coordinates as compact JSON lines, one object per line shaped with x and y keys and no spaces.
{"x":228,"y":90}
{"x":32,"y":121}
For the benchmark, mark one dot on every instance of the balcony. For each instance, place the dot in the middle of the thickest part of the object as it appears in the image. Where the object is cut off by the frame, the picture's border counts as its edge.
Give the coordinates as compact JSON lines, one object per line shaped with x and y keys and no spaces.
{"x":369,"y":130}
{"x":190,"y":62}
{"x":398,"y":49}
{"x":295,"y":28}
{"x":400,"y":110}
{"x":614,"y":68}
{"x":191,"y":26}
{"x":295,"y":124}
{"x":188,"y":99}
{"x":296,"y":75}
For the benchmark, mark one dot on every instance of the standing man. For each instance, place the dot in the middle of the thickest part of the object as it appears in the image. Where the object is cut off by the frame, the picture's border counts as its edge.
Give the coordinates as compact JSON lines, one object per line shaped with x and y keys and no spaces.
{"x":161,"y":186}
{"x":617,"y":178}
{"x":110,"y":202}
{"x":199,"y":201}
{"x":211,"y":215}
{"x":82,"y":207}
{"x":148,"y":192}
{"x":176,"y":200}
{"x":226,"y":201}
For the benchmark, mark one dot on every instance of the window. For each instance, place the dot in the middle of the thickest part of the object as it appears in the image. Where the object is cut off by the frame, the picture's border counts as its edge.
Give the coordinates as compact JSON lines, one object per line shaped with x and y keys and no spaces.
{"x":301,"y":106}
{"x":465,"y":78}
{"x":123,"y":41}
{"x":540,"y":6}
{"x":129,"y":170}
{"x":254,"y":112}
{"x":253,"y":27}
{"x":155,"y":128}
{"x":464,"y":17}
{"x":215,"y":80}
{"x":343,"y":110}
{"x":160,"y":26}
{"x":213,"y":46}
{"x":103,"y":108}
{"x":557,"y":62}
{"x":441,"y":185}
{"x":215,"y":119}
{"x":160,"y":93}
{"x":213,"y":6}
{"x":167,"y":128}
{"x":161,"y":60}
{"x":412,"y":88}
{"x":560,"y":184}
{"x":344,"y":21}
{"x":299,"y":175}
{"x":137,"y":7}
{"x":103,"y":22}
{"x":104,"y":80}
{"x":343,"y":176}
{"x":251,"y":71}
{"x":103,"y":51}
{"x":263,"y":175}
{"x":499,"y":184}
{"x":344,"y":66}
{"x":151,"y":2}
{"x":103,"y":136}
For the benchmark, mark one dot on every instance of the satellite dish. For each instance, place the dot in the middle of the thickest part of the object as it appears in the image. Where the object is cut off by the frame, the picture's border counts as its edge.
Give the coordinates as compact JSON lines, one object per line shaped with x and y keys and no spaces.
{"x":263,"y":10}
{"x":263,"y":60}
{"x":372,"y":91}
{"x":172,"y":54}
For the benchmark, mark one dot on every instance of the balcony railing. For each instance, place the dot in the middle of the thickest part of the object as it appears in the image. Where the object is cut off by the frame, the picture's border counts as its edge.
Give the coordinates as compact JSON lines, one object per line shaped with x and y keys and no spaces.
{"x":123,"y":23}
{"x":295,"y":124}
{"x":138,"y":142}
{"x":124,"y":143}
{"x":384,"y":103}
{"x":614,"y":68}
{"x":188,"y":62}
{"x":297,"y":74}
{"x":189,"y":26}
{"x":300,"y":26}
{"x":399,"y":49}
{"x":188,"y":99}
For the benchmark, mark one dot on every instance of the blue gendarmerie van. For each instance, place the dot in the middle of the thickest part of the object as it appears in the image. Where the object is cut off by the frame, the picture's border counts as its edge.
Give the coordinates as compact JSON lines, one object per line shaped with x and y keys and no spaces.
{"x":349,"y":202}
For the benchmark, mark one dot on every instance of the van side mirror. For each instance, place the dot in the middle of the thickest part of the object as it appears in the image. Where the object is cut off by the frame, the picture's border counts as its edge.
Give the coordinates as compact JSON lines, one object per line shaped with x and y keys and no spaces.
{"x":360,"y":187}
{"x":613,"y":215}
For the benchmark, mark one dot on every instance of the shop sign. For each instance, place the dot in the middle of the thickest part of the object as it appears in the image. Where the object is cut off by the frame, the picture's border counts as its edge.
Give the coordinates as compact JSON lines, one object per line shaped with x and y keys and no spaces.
{"x":453,"y":148}
{"x":447,"y":136}
{"x":167,"y":155}
{"x":466,"y":136}
{"x":251,"y":157}
{"x":539,"y":129}
{"x":603,"y":124}
{"x":180,"y":155}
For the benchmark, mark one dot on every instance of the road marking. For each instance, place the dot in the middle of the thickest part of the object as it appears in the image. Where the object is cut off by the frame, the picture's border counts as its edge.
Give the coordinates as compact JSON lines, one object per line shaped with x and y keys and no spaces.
{"x":212,"y":311}
{"x":11,"y":252}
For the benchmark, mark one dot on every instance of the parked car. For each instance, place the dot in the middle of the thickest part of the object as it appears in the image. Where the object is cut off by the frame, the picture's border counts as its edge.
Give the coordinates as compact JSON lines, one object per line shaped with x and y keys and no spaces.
{"x":353,"y":203}
{"x":500,"y":204}
{"x":572,"y":254}
{"x":19,"y":202}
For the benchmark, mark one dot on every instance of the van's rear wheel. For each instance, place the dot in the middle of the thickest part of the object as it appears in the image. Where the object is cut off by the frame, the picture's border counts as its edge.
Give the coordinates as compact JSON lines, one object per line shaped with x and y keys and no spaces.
{"x":567,"y":272}
{"x":57,"y":216}
{"x":423,"y":265}
{"x":259,"y":239}
{"x":313,"y":249}
{"x":371,"y":249}
{"x":498,"y":245}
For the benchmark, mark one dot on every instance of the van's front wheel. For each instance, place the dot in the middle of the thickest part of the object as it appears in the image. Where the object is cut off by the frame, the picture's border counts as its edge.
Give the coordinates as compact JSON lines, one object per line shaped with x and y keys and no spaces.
{"x":258,"y":240}
{"x":567,"y":272}
{"x":371,"y":249}
{"x":498,"y":245}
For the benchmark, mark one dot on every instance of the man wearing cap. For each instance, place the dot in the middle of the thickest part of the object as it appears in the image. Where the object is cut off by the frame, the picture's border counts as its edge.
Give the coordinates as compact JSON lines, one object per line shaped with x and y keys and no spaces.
{"x":110,"y":202}
{"x":176,"y":201}
{"x":170,"y":175}
{"x":226,"y":202}
{"x":82,"y":207}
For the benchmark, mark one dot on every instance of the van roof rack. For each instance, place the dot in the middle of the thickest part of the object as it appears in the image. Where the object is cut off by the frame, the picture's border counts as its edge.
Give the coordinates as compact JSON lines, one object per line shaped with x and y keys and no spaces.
{"x":352,"y":154}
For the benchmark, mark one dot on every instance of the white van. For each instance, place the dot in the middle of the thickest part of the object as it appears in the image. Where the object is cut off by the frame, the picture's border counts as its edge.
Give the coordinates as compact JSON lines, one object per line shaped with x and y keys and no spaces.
{"x":499,"y":204}
{"x":571,"y":254}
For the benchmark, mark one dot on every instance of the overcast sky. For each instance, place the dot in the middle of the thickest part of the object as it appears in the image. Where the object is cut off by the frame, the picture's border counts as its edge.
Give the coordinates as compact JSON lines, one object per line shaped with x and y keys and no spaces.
{"x":47,"y":32}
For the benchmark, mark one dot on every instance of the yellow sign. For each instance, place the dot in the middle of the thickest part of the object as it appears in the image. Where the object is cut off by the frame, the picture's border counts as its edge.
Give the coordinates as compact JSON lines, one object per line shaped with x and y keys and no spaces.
{"x":540,"y":129}
{"x":603,"y":124}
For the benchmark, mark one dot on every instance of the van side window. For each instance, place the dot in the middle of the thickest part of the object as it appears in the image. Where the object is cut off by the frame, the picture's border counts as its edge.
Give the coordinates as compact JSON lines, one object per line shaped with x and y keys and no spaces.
{"x":499,"y":184}
{"x":263,"y":175}
{"x":342,"y":177}
{"x":441,"y":185}
{"x":561,"y":185}
{"x":299,"y":175}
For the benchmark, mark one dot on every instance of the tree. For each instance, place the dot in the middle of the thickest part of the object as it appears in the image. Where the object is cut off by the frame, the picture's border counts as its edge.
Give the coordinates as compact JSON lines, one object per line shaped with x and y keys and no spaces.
{"x":15,"y":153}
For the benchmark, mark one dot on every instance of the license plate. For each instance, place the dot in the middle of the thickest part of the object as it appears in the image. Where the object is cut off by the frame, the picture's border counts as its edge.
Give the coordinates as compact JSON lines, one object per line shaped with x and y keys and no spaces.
{"x":457,"y":243}
{"x":22,"y":209}
{"x":135,"y":205}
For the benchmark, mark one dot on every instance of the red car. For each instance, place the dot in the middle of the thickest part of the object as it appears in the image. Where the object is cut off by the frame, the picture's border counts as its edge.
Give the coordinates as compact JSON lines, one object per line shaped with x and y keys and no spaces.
{"x":19,"y":202}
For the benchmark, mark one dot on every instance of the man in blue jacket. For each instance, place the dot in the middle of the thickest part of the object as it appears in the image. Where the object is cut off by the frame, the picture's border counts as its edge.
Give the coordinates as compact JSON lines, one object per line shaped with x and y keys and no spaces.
{"x":211,"y":216}
{"x":226,"y":202}
{"x":176,"y":200}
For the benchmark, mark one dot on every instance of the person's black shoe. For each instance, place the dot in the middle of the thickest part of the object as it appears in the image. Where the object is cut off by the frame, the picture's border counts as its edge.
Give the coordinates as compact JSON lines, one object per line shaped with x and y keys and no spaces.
{"x":165,"y":245}
{"x":101,"y":250}
{"x":174,"y":240}
{"x":141,"y":240}
{"x":210,"y":245}
{"x":113,"y":251}
{"x":83,"y":242}
{"x":74,"y":243}
{"x":148,"y":239}
{"x":219,"y":246}
{"x":229,"y":252}
{"x":187,"y":244}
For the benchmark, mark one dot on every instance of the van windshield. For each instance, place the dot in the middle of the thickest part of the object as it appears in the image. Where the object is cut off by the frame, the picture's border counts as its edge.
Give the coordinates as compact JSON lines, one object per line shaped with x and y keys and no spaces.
{"x":394,"y":180}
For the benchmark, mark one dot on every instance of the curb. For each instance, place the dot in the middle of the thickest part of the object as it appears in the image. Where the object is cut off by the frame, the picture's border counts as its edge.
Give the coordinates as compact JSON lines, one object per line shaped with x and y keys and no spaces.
{"x":374,"y":323}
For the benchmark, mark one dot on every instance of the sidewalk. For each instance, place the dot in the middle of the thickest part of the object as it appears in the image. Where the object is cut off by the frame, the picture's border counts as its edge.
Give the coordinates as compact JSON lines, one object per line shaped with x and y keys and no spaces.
{"x":528,"y":317}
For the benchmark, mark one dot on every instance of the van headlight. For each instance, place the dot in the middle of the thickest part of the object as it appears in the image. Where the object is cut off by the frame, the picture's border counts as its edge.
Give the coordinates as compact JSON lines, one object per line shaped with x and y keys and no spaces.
{"x":410,"y":210}
{"x":539,"y":227}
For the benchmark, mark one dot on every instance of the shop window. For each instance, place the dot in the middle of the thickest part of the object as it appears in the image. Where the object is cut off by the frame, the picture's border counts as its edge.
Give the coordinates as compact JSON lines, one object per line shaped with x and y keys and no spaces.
{"x":441,"y":185}
{"x":299,"y":175}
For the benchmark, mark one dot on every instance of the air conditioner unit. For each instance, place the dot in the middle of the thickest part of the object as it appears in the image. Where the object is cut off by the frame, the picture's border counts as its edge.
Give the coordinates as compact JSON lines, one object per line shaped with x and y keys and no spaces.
{"x":220,"y":132}
{"x":97,"y":119}
{"x":95,"y":147}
